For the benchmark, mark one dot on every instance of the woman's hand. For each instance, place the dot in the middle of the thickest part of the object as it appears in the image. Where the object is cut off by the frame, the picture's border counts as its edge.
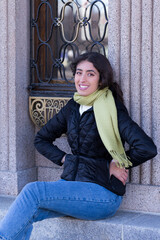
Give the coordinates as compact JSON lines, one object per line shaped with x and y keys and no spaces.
{"x":63,"y":159}
{"x":120,"y":173}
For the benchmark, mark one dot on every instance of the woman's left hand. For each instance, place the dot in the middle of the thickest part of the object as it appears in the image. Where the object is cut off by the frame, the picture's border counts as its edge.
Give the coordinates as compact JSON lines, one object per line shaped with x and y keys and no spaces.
{"x":120,"y":173}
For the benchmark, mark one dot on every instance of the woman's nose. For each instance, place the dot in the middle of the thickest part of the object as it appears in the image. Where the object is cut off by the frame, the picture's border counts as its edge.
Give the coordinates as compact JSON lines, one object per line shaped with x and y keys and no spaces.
{"x":83,"y":78}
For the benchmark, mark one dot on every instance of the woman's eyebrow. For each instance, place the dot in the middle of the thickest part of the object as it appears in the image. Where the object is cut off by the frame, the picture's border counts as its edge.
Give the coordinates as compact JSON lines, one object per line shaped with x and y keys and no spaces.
{"x":91,"y":71}
{"x":78,"y":69}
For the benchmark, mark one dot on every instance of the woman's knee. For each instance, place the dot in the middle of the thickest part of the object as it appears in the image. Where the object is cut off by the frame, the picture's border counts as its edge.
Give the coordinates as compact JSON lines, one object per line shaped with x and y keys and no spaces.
{"x":31,"y":188}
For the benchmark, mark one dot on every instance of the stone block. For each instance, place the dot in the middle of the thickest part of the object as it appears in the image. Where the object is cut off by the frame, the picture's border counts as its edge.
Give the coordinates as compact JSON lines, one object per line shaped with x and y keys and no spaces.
{"x":8,"y":182}
{"x":13,"y":182}
{"x":145,"y":198}
{"x":49,"y":174}
{"x":26,"y":176}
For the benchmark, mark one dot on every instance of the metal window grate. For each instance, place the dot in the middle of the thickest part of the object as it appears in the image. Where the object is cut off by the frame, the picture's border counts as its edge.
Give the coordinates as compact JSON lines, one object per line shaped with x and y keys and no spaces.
{"x":60,"y":30}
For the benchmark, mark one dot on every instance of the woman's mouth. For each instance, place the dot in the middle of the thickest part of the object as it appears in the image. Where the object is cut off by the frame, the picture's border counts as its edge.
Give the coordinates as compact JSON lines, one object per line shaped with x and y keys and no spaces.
{"x":83,"y":87}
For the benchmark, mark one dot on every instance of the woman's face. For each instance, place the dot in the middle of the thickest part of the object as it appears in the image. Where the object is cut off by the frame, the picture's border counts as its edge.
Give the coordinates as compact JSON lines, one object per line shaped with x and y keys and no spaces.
{"x":86,"y":78}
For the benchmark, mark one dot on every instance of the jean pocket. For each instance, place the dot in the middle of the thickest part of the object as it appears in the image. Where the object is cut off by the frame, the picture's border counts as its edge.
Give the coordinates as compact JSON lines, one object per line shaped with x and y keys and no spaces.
{"x":69,"y":170}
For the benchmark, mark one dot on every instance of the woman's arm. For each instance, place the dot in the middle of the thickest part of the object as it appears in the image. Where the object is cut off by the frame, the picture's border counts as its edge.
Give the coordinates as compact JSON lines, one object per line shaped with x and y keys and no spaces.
{"x":47,"y":134}
{"x":142,"y":147}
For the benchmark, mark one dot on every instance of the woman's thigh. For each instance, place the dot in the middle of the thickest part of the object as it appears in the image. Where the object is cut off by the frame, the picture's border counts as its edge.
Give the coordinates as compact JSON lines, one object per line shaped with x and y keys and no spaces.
{"x":83,"y":200}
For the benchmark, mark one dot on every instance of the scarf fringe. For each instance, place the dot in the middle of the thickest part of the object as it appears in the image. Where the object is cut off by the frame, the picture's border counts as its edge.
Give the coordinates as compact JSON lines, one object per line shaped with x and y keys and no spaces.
{"x":122,"y":160}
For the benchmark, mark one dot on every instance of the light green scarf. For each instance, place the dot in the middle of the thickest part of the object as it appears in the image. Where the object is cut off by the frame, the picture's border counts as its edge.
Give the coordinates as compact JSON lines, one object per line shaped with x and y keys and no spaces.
{"x":106,"y":119}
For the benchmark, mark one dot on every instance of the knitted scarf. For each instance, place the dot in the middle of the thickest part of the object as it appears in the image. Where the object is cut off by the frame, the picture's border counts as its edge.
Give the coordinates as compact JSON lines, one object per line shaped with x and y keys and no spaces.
{"x":107,"y":124}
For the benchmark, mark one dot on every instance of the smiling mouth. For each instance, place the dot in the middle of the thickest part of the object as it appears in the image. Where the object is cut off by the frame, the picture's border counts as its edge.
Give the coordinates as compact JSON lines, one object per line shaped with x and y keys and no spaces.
{"x":83,"y":87}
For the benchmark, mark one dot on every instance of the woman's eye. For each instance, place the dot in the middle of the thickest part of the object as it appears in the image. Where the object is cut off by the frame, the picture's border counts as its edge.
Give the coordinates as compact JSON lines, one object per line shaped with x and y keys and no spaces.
{"x":90,"y":74}
{"x":78,"y":73}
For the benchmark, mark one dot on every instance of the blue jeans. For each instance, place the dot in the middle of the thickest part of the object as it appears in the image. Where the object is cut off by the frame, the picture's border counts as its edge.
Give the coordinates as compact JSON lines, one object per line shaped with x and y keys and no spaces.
{"x":41,"y":200}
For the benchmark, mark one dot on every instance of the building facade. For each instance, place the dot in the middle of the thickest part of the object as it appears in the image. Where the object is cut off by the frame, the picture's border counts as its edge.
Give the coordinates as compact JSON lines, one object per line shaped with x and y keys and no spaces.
{"x":133,"y":50}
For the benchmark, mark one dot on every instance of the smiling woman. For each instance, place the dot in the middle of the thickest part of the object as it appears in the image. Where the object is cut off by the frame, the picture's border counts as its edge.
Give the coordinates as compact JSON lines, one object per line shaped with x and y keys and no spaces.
{"x":95,"y":173}
{"x":86,"y":78}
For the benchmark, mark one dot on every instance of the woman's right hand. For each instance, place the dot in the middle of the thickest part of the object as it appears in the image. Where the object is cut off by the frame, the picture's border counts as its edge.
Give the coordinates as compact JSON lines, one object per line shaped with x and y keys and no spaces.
{"x":63,"y":159}
{"x":120,"y":173}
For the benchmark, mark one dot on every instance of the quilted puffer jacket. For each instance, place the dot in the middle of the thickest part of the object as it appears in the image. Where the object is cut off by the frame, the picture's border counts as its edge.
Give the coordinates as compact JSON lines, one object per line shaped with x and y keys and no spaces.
{"x":89,"y":161}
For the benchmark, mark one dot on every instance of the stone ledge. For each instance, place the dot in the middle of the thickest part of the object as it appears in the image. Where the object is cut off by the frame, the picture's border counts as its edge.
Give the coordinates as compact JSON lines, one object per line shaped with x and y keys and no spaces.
{"x":124,"y":225}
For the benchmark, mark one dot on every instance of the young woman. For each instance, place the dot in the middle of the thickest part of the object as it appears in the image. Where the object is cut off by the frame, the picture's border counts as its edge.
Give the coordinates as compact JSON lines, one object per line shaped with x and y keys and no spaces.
{"x":93,"y":181}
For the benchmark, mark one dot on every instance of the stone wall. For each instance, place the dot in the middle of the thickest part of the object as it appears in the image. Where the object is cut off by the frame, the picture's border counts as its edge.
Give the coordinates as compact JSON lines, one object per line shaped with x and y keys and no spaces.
{"x":134,"y":48}
{"x":17,"y":155}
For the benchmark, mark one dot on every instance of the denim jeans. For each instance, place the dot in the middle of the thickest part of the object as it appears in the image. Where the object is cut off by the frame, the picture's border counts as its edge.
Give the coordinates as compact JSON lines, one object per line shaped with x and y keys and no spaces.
{"x":42,"y":200}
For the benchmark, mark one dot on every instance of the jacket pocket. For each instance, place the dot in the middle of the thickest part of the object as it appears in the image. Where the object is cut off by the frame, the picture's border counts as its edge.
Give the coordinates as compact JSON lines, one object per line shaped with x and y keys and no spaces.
{"x":69,"y":170}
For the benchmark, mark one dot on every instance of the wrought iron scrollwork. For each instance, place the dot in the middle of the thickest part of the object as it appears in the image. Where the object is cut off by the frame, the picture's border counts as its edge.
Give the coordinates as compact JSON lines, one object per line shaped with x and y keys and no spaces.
{"x":43,"y":109}
{"x":60,"y":30}
{"x":79,"y":22}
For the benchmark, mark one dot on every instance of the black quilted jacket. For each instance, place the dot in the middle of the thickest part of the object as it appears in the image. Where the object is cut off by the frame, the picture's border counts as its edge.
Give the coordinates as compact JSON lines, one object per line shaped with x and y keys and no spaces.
{"x":89,"y":161}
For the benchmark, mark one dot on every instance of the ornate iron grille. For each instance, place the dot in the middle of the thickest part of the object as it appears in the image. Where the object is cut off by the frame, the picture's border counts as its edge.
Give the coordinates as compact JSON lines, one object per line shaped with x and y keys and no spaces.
{"x":61,"y":30}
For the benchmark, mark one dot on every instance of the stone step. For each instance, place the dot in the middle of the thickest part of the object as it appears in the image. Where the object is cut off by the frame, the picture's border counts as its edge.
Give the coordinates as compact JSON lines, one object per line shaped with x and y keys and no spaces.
{"x":123,"y":226}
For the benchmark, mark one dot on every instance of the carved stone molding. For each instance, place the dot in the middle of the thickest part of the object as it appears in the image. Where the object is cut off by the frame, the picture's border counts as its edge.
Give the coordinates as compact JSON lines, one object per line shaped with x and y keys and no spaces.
{"x":42,"y":109}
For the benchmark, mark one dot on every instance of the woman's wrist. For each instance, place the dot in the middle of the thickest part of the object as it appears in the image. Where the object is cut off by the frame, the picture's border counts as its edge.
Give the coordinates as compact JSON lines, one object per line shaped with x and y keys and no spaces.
{"x":113,"y":166}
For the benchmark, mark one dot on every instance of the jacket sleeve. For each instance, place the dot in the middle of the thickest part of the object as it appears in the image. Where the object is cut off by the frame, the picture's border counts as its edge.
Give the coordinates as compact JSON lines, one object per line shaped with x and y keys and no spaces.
{"x":142,"y":148}
{"x":53,"y":129}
